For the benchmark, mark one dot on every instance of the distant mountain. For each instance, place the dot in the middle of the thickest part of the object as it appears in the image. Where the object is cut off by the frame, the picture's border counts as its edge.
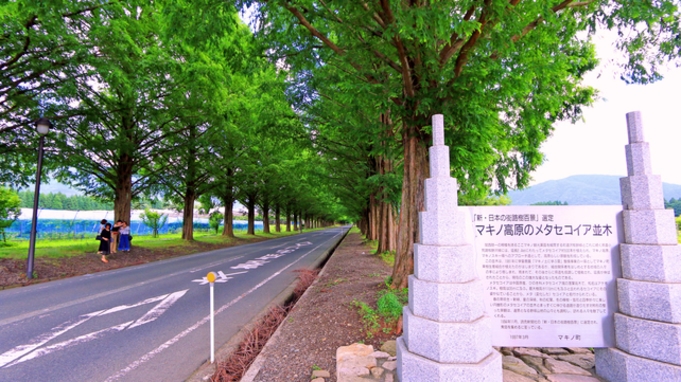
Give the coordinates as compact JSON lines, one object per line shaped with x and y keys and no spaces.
{"x":581,"y":190}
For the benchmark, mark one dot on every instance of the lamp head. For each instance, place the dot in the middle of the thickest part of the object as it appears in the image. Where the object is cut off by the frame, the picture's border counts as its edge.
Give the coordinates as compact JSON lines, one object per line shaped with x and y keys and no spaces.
{"x":43,"y":125}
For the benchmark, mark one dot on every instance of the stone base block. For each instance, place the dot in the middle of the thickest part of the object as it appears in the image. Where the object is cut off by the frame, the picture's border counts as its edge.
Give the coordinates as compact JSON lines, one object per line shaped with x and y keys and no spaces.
{"x":447,"y":264}
{"x":413,"y":368}
{"x":649,"y":227}
{"x":615,"y":365}
{"x":643,"y":192}
{"x":447,"y":342}
{"x":650,"y":300}
{"x":439,"y":227}
{"x":654,"y":340}
{"x":446,"y":302}
{"x":661,"y":263}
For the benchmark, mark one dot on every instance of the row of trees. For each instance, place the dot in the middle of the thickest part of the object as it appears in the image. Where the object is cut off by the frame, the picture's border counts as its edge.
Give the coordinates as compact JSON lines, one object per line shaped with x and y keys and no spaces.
{"x":150,"y":99}
{"x":180,"y":98}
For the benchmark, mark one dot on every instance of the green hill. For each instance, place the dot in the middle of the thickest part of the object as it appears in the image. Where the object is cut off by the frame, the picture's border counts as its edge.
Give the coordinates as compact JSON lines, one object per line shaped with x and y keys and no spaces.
{"x":581,"y":190}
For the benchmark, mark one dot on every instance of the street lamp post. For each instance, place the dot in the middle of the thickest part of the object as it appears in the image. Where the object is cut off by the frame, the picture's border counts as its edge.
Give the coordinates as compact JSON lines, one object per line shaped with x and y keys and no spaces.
{"x":43,"y":126}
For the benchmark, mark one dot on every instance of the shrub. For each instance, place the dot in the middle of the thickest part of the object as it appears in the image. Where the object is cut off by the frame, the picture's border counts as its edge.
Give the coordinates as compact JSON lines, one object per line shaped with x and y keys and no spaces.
{"x":390,"y":304}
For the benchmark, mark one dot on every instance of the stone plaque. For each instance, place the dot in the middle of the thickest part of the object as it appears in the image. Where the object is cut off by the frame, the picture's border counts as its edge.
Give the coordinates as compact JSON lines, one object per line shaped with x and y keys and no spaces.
{"x":549,"y":272}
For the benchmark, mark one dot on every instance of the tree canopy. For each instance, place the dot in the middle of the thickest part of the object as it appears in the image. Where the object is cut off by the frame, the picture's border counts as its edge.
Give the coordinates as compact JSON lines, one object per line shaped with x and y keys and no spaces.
{"x":322,"y":114}
{"x":501,"y":71}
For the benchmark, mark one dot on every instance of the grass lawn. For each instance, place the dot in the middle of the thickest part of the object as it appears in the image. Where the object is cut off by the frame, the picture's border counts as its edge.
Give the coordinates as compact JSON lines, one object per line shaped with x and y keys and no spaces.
{"x":60,"y":248}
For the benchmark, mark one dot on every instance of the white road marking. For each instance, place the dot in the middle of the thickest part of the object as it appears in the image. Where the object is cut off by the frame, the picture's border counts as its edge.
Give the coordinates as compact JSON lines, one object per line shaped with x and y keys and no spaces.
{"x":159,"y":309}
{"x":72,"y":342}
{"x":147,"y":357}
{"x":126,"y":307}
{"x":106,"y":293}
{"x":250,"y":264}
{"x":39,"y":341}
{"x":222,"y":278}
{"x":19,"y":353}
{"x":262,"y":260}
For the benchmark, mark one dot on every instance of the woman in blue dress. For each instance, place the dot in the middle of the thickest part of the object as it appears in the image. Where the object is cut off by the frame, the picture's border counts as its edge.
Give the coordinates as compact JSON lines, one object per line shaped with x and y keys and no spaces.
{"x":124,"y":237}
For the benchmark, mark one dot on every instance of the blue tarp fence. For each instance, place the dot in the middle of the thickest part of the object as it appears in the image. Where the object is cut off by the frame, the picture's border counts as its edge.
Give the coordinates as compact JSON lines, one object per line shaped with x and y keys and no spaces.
{"x":81,"y":228}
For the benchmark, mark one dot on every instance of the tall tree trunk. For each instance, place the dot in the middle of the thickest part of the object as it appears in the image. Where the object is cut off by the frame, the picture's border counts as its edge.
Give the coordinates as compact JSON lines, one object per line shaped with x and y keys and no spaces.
{"x":228,"y":229}
{"x":265,"y":217}
{"x":373,"y":218}
{"x":188,"y":214}
{"x":383,"y":166}
{"x":250,"y":204}
{"x":386,"y":215}
{"x":190,"y":194}
{"x":295,"y":221}
{"x":365,"y":222}
{"x":392,"y":229}
{"x":387,"y":234}
{"x":123,"y":190}
{"x":277,"y":218}
{"x":228,"y":202}
{"x":382,"y":236}
{"x":415,"y":173}
{"x":288,"y":219}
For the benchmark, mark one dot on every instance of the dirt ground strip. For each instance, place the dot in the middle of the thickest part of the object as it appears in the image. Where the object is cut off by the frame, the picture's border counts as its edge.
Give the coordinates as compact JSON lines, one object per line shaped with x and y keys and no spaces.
{"x":13,"y":272}
{"x":326,"y":318}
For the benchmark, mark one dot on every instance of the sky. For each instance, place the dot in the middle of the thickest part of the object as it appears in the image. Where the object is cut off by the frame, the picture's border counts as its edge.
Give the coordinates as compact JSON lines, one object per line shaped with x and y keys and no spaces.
{"x":596,"y":144}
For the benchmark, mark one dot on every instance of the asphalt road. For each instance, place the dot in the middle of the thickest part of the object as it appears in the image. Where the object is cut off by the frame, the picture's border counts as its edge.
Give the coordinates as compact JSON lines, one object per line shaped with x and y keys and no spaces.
{"x":149,"y":322}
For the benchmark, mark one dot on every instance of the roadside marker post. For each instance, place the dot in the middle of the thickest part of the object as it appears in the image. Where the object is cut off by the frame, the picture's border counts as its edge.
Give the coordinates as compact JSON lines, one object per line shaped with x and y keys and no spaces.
{"x":211,"y":279}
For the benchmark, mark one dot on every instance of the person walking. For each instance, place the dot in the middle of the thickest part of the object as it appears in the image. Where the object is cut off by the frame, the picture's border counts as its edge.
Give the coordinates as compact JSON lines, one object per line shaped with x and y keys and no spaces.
{"x":104,"y":244}
{"x":124,"y":234}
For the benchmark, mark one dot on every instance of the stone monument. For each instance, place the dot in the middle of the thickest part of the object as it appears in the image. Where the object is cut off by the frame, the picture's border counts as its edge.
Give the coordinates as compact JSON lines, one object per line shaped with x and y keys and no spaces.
{"x":648,"y":324}
{"x":447,"y":336}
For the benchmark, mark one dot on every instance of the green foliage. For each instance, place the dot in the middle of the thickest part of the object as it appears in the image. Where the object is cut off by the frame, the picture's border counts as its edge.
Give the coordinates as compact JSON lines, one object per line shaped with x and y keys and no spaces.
{"x":674,"y":204}
{"x":369,"y":317}
{"x":553,"y":203}
{"x":388,"y":281}
{"x":390,"y":303}
{"x":215,"y":219}
{"x":388,"y":257}
{"x":154,"y":220}
{"x":389,"y":309}
{"x":500,"y":200}
{"x":60,"y":201}
{"x":9,"y":209}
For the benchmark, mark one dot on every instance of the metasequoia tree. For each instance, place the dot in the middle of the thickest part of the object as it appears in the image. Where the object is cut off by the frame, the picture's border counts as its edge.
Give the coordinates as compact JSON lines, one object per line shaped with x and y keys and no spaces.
{"x":40,"y":50}
{"x":138,"y":90}
{"x":502,"y":71}
{"x":186,"y":164}
{"x":121,"y":114}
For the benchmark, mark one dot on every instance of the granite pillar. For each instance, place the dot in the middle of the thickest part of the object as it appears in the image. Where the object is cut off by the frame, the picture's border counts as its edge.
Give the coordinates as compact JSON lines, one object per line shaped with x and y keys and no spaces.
{"x":446,"y":332}
{"x":648,"y":321}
